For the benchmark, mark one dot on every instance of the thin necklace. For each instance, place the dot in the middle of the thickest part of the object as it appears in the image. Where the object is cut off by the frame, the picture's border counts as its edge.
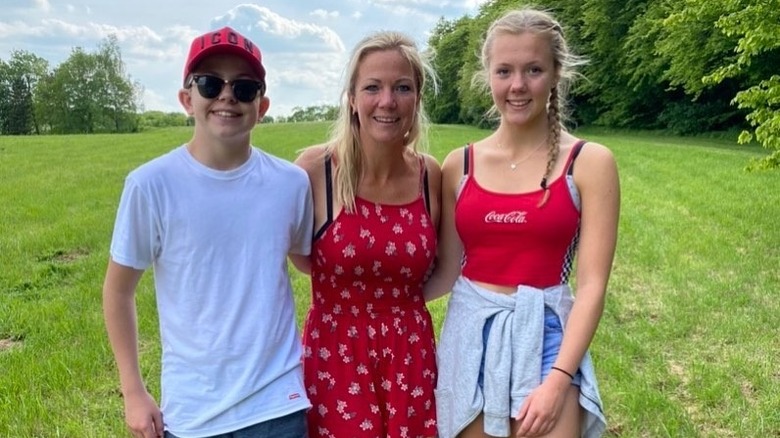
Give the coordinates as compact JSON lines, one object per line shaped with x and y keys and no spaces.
{"x":513,"y":165}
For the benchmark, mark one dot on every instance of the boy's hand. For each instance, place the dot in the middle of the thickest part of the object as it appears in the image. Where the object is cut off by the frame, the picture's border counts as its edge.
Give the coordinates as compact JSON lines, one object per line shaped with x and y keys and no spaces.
{"x":143,"y":416}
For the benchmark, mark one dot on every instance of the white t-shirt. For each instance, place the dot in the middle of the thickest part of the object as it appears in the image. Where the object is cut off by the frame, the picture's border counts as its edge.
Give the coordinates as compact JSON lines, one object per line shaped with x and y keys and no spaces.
{"x":218,"y":242}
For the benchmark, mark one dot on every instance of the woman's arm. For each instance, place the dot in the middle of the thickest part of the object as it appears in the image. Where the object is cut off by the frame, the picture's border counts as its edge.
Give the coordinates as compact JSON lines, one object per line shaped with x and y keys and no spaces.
{"x":450,"y":249}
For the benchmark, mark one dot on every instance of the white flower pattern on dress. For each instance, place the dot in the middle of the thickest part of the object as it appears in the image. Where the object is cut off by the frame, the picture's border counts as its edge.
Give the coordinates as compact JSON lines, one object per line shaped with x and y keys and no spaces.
{"x":367,"y":281}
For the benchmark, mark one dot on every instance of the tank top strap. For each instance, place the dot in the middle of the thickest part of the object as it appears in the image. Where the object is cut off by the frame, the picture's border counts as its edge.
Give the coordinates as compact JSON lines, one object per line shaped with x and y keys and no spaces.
{"x":575,"y":151}
{"x":424,"y":186}
{"x":468,"y":158}
{"x":328,"y":196}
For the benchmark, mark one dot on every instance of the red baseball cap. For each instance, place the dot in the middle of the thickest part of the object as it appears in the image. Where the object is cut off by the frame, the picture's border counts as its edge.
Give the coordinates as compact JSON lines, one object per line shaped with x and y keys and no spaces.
{"x":225,"y":40}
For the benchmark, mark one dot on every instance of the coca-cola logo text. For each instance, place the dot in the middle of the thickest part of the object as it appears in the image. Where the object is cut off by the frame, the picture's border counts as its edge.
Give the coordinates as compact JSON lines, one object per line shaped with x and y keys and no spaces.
{"x":512,"y":217}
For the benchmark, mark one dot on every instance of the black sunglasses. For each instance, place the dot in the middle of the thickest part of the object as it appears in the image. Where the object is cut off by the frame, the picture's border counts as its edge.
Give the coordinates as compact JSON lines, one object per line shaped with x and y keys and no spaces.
{"x":244,"y":90}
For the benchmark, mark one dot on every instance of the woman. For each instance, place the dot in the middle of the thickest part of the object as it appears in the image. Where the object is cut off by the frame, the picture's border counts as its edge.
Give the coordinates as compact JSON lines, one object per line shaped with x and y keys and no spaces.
{"x":516,"y":207}
{"x":369,"y":354}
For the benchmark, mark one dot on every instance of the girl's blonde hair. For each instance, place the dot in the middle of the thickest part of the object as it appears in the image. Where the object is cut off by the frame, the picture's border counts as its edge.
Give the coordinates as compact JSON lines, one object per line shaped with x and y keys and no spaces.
{"x":344,"y":143}
{"x":517,"y":22}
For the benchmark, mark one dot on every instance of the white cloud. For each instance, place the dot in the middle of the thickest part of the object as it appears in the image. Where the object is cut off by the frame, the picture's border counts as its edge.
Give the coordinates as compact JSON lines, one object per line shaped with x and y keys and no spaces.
{"x":434,"y":3}
{"x":14,"y":29}
{"x":303,"y":43}
{"x":158,"y":102}
{"x":312,"y":71}
{"x":438,"y":4}
{"x":419,"y":19}
{"x":304,"y":79}
{"x":134,"y":41}
{"x":323,"y":14}
{"x":473,"y":4}
{"x":281,"y":32}
{"x":43,"y":5}
{"x":34,"y":6}
{"x":399,"y":9}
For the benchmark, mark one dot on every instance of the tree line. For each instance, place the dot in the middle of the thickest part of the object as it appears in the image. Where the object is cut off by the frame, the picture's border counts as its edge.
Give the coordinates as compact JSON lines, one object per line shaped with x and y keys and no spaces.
{"x":686,"y":66}
{"x":87,"y":93}
{"x":91,"y":93}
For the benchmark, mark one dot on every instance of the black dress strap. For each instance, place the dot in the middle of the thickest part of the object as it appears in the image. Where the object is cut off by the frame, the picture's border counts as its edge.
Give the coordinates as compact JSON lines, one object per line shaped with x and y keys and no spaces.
{"x":328,"y":196}
{"x":426,"y":189}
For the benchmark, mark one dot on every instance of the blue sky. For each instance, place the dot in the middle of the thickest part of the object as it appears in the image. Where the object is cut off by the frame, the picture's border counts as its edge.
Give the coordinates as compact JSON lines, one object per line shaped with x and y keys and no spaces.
{"x":305,"y":44}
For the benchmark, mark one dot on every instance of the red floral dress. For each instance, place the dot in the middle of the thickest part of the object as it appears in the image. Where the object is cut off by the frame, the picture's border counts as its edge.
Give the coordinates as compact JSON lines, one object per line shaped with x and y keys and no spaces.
{"x":369,"y":353}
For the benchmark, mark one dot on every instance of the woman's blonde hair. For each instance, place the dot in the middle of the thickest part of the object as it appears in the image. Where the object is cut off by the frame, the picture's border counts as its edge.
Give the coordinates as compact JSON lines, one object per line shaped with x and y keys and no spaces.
{"x":344,"y":143}
{"x":517,"y":22}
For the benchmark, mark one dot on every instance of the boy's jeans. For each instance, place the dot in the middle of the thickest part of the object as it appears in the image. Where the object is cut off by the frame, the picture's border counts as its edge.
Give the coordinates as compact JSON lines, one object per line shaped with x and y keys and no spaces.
{"x":289,"y":426}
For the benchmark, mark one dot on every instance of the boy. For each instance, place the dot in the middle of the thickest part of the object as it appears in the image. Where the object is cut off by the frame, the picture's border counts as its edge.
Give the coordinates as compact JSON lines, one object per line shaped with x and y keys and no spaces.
{"x":216,"y":219}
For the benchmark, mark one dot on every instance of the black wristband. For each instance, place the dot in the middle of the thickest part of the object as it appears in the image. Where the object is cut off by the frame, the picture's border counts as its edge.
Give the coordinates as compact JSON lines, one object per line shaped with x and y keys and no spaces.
{"x":563,"y":371}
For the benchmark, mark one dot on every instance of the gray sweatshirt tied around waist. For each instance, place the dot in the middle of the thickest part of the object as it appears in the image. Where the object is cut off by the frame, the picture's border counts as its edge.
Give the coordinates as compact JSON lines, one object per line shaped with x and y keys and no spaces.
{"x":513,"y":358}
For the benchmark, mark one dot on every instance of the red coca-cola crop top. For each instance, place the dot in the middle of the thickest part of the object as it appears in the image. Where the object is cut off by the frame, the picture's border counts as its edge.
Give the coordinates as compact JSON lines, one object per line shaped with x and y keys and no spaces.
{"x":508,"y":240}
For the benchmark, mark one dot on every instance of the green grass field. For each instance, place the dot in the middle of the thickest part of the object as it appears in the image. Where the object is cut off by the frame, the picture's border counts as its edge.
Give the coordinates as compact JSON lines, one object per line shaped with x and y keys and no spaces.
{"x":689,"y":345}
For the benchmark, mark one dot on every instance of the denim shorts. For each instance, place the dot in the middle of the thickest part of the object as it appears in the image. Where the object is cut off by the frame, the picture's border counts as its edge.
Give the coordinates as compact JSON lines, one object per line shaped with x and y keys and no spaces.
{"x":288,"y":426}
{"x":553,"y":336}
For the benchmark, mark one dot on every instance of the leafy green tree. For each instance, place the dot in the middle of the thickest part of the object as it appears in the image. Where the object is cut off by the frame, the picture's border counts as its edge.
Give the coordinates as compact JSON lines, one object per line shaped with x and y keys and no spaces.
{"x":449,"y":54}
{"x":18,"y":79}
{"x":18,"y":116}
{"x":689,"y":46}
{"x":89,"y":92}
{"x":756,"y":25}
{"x":5,"y":93}
{"x":609,"y":99}
{"x":627,"y":84}
{"x":730,"y":48}
{"x":159,"y":119}
{"x":645,"y":68}
{"x":315,"y":113}
{"x":65,"y":97}
{"x":116,"y":95}
{"x":50,"y":104}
